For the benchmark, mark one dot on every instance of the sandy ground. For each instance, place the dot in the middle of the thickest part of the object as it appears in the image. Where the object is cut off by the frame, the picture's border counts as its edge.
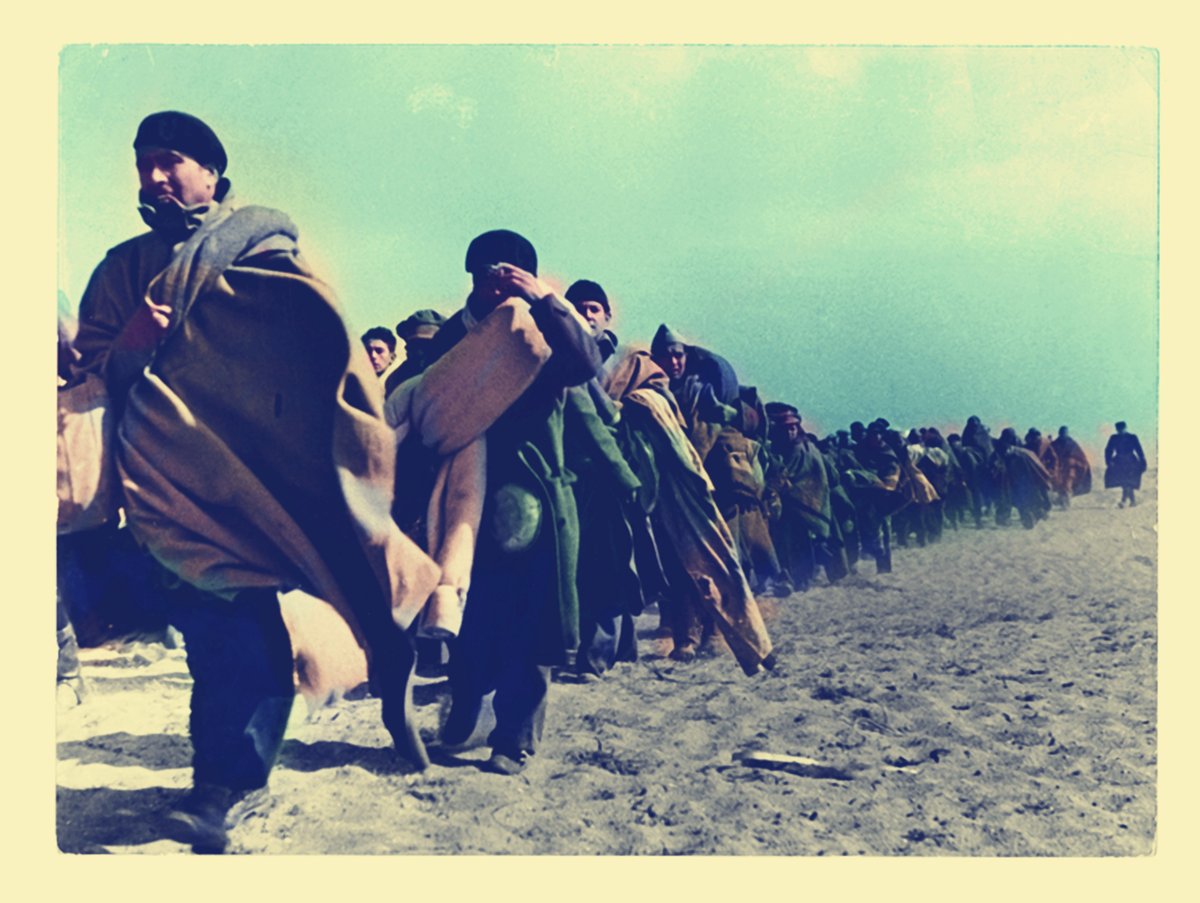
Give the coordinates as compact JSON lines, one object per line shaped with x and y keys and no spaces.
{"x":994,"y":695}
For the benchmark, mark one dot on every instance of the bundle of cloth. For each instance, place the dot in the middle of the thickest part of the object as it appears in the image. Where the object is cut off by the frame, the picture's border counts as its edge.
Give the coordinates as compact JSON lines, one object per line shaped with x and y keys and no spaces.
{"x":254,"y":454}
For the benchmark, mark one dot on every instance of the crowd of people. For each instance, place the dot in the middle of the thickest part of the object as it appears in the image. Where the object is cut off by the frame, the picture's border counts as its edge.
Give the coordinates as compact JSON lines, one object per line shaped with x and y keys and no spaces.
{"x":310,"y":510}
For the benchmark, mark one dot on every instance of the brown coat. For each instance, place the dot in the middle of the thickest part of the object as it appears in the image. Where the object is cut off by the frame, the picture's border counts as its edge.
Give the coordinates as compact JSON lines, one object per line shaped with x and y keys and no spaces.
{"x":684,"y":513}
{"x":253,"y":448}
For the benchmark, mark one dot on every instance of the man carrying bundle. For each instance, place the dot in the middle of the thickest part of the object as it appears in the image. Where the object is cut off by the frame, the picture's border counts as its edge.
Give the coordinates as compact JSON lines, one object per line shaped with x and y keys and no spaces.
{"x":255,"y":465}
{"x":1073,"y":475}
{"x":522,"y":614}
{"x":707,"y":588}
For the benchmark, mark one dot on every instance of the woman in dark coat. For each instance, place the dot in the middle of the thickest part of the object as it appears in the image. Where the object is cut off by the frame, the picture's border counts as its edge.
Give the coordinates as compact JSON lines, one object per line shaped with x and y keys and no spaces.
{"x":1124,"y":462}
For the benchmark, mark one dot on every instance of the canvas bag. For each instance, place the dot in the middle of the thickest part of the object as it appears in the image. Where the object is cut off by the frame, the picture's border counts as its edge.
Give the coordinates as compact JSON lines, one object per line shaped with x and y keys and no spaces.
{"x":88,"y":487}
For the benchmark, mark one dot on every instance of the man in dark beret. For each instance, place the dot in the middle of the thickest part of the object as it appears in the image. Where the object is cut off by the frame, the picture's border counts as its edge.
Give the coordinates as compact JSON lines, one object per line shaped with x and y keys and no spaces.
{"x":180,"y":166}
{"x":522,"y":614}
{"x":257,"y":469}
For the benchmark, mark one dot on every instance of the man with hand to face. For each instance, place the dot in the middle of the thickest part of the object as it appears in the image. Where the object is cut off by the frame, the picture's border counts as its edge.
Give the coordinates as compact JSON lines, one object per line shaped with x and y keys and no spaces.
{"x":522,"y":614}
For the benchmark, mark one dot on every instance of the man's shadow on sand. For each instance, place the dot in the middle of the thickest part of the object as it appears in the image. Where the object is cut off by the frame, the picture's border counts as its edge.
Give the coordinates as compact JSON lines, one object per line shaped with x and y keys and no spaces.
{"x":165,"y":752}
{"x":91,"y":819}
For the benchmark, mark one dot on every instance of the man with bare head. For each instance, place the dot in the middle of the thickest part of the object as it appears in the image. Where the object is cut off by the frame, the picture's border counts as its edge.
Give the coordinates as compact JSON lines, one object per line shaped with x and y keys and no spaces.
{"x":381,"y":349}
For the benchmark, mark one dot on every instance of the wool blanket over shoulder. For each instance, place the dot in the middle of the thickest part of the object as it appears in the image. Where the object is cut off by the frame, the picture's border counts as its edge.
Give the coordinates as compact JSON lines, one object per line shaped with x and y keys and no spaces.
{"x":1073,"y":475}
{"x":683,"y":511}
{"x":1026,"y":478}
{"x":253,"y":449}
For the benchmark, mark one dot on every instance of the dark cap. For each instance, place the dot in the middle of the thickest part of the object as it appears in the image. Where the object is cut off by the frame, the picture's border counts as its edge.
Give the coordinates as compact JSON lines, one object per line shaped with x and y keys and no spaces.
{"x":501,"y":246}
{"x":184,"y":133}
{"x":424,"y":324}
{"x":585,"y":290}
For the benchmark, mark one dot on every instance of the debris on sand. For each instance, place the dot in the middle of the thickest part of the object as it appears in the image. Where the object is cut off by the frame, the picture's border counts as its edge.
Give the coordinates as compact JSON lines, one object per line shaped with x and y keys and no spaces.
{"x":801,"y":765}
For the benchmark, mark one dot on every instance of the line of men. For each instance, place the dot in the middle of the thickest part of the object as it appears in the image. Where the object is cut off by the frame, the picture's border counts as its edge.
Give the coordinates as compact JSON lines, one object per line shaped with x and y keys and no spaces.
{"x":797,"y":504}
{"x":258,"y":469}
{"x":518,"y":489}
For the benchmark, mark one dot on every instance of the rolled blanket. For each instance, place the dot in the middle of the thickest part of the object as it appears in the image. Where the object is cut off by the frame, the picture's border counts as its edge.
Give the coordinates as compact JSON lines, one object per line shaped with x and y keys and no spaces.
{"x":465,"y":391}
{"x":455,"y":509}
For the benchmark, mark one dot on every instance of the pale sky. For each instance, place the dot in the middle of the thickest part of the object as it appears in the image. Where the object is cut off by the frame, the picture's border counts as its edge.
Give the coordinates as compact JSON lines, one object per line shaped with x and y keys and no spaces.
{"x":917,"y":233}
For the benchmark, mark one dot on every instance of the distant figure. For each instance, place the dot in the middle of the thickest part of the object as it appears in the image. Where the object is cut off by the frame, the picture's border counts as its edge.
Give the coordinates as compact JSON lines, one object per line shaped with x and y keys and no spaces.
{"x":876,"y":497}
{"x":1124,"y":462}
{"x":1043,"y":447}
{"x":1024,"y":482}
{"x":977,"y":438}
{"x":805,"y":534}
{"x":381,"y":349}
{"x":1074,"y":473}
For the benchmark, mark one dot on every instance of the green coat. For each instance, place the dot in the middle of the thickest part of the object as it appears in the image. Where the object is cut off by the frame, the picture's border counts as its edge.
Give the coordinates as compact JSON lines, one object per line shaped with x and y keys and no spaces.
{"x":607,"y":579}
{"x":527,"y":554}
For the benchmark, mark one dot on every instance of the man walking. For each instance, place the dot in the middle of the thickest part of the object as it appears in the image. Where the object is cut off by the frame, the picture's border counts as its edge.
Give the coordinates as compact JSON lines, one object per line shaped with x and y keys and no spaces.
{"x":522,"y":615}
{"x":258,"y":471}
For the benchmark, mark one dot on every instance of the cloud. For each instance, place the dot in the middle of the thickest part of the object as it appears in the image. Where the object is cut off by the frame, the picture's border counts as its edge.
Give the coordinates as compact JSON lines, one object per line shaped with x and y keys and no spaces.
{"x":442,"y":100}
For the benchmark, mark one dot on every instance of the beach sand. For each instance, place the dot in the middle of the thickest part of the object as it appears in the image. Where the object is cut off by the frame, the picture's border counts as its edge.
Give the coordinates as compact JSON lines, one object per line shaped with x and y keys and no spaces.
{"x":995,"y":695}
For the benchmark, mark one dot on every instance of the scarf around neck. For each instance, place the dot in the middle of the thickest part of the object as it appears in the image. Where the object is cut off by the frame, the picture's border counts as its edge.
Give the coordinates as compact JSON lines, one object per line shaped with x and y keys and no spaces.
{"x":175,"y":222}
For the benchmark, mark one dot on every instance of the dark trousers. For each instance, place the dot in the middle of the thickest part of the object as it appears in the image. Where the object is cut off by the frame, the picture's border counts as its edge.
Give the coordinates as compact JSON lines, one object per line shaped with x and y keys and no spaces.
{"x":680,"y":609}
{"x":240,"y":658}
{"x":68,"y":647}
{"x":605,"y":640}
{"x":110,"y":588}
{"x":501,"y":648}
{"x":521,"y":687}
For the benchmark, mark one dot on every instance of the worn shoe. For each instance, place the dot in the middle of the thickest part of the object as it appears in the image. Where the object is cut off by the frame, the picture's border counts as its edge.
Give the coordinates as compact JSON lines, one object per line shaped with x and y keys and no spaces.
{"x":209,"y":812}
{"x":465,"y":728}
{"x":684,"y":653}
{"x":508,"y":763}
